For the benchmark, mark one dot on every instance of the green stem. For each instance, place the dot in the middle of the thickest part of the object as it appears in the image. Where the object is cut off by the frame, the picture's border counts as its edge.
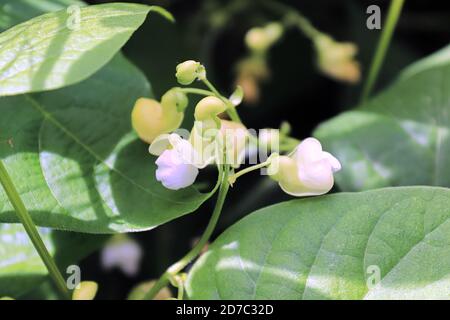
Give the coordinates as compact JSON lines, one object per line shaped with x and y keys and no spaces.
{"x":395,"y":10}
{"x":200,"y":92}
{"x":32,"y":231}
{"x":231,"y":109}
{"x":191,"y":255}
{"x":232,"y":179}
{"x":180,"y":290}
{"x":292,"y":17}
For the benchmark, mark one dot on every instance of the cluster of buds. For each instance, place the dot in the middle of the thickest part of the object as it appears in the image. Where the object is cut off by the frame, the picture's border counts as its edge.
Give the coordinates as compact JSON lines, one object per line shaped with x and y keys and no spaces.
{"x":211,"y":140}
{"x":334,"y":59}
{"x":253,"y":70}
{"x":306,"y":171}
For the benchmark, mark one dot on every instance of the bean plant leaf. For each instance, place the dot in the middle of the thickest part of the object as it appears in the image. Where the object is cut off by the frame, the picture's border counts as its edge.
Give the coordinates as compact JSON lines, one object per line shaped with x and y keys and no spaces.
{"x":73,"y":157}
{"x":64,"y":47}
{"x":391,"y":243}
{"x":402,"y":136}
{"x":21,"y":268}
{"x":13,"y":12}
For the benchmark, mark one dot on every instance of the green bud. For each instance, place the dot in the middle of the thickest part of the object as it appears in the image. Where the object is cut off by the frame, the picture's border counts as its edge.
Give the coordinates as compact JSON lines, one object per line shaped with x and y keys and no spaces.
{"x":274,"y":31}
{"x":256,"y":39}
{"x":208,"y":108}
{"x":189,"y":71}
{"x":175,"y":98}
{"x":260,"y":39}
{"x":87,"y":291}
{"x":285,"y":128}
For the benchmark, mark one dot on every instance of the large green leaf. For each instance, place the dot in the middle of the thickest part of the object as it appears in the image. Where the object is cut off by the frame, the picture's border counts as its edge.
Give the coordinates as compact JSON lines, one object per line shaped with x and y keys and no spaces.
{"x":402,"y":136}
{"x":21,"y":268}
{"x":75,"y":162}
{"x":72,"y":156}
{"x":13,"y":12}
{"x":50,"y":51}
{"x":329,"y":247}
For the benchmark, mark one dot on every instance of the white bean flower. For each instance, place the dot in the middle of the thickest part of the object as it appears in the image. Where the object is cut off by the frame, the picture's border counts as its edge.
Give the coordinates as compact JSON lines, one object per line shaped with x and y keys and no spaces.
{"x":173,"y":173}
{"x":177,"y":162}
{"x":308,"y":171}
{"x":123,"y":253}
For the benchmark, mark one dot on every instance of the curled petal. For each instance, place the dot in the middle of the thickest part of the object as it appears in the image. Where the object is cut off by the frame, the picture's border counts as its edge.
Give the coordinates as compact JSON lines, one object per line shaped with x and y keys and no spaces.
{"x":150,"y":119}
{"x":334,"y":163}
{"x":159,"y":145}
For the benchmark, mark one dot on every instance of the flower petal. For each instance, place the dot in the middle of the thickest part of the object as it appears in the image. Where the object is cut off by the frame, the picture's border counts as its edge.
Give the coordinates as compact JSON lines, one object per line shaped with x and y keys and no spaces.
{"x":174,"y":172}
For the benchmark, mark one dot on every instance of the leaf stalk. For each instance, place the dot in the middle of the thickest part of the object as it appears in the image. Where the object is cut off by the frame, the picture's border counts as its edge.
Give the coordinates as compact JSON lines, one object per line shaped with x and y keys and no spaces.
{"x":32,"y":231}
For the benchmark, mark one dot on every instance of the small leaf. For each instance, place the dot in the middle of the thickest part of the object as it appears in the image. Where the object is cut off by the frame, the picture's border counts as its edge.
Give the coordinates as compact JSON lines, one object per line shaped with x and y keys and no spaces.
{"x":163,"y":12}
{"x":64,"y":47}
{"x":391,"y":243}
{"x":237,"y":96}
{"x":401,"y":137}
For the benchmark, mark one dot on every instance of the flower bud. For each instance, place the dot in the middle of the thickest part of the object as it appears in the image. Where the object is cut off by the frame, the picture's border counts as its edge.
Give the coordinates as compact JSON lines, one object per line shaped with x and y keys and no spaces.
{"x":150,"y":119}
{"x":208,"y":108}
{"x":234,"y":137}
{"x":307,"y":171}
{"x":189,"y":71}
{"x":204,"y":141}
{"x":256,"y":39}
{"x":175,"y":99}
{"x":250,"y":73}
{"x":337,"y":59}
{"x":261,"y":39}
{"x":274,"y":31}
{"x":87,"y":290}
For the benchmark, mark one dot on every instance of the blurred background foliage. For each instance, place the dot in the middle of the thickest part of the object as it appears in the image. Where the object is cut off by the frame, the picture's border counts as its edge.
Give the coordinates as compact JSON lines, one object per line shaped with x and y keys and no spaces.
{"x":212,"y":31}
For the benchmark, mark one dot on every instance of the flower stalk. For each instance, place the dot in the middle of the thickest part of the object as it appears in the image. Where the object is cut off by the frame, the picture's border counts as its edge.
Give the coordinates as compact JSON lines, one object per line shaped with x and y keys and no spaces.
{"x":177,"y":267}
{"x":292,"y":17}
{"x":395,"y":10}
{"x":232,"y":179}
{"x":231,"y":110}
